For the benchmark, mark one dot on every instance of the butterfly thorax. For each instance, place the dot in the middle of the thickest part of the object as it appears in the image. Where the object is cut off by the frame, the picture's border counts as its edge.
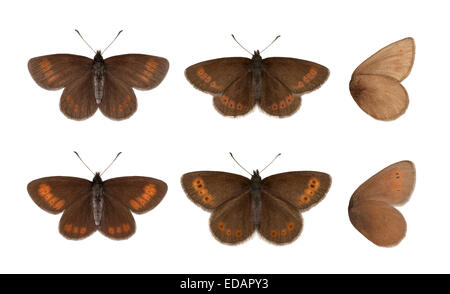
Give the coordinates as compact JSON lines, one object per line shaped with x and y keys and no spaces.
{"x":255,"y":192}
{"x":98,"y":69}
{"x":256,"y":75}
{"x":97,"y":198}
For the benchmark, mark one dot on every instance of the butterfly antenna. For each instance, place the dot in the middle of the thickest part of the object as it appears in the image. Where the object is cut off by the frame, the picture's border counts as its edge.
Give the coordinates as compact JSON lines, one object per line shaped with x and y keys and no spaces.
{"x":271,"y":161}
{"x":239,"y":163}
{"x":112,"y":41}
{"x":84,"y":163}
{"x":268,"y":47}
{"x":86,"y":44}
{"x":111,"y":163}
{"x":242,"y":48}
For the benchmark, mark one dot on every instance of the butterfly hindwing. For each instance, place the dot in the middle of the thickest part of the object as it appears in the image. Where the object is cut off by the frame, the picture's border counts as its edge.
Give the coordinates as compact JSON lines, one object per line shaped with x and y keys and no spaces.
{"x":237,"y":99}
{"x":117,"y":221}
{"x":55,"y":194}
{"x":370,"y":209}
{"x":216,"y":75}
{"x":299,"y":76}
{"x":281,"y":222}
{"x":232,"y":222}
{"x":56,"y":71}
{"x":276,"y":98}
{"x":302,"y":189}
{"x":119,"y":101}
{"x":78,"y":100}
{"x":139,"y":71}
{"x":140,"y":194}
{"x":77,"y":221}
{"x":210,"y":189}
{"x":375,"y":84}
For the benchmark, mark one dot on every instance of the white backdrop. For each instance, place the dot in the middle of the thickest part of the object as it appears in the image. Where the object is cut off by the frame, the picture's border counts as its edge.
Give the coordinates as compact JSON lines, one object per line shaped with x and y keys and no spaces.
{"x":177,"y":130}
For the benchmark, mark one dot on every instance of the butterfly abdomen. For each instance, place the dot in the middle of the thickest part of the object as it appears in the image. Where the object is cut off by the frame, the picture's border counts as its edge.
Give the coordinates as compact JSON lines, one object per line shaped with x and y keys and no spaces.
{"x":256,"y":76}
{"x":97,"y":199}
{"x":98,"y":70}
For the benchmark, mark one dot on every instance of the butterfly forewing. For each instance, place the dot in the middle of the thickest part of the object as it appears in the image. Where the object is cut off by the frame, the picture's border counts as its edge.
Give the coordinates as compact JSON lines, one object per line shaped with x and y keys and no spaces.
{"x":117,"y":221}
{"x":119,"y":101}
{"x":395,"y":61}
{"x":139,"y":71}
{"x":78,"y":99}
{"x":299,"y":76}
{"x":237,"y":99}
{"x":140,"y":194}
{"x":276,"y":98}
{"x":77,"y":221}
{"x":302,"y":189}
{"x":232,"y":221}
{"x":281,"y":222}
{"x":56,"y":71}
{"x":54,"y":194}
{"x":214,"y":76}
{"x":210,"y":189}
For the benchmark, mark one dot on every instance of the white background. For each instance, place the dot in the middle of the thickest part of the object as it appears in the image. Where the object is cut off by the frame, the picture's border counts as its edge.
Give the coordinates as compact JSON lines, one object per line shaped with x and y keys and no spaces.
{"x":177,"y":130}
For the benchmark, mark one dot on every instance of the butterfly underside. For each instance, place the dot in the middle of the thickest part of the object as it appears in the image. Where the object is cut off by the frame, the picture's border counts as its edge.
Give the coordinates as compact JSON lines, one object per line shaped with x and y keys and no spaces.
{"x":375,"y":84}
{"x":371,"y":208}
{"x":275,"y":84}
{"x":75,"y":198}
{"x":91,"y":84}
{"x":271,"y":206}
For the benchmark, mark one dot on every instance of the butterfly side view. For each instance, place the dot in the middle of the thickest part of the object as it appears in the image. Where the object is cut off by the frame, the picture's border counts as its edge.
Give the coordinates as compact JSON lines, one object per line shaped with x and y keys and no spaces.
{"x":375,"y":84}
{"x":275,"y":84}
{"x":271,"y":206}
{"x":90,"y":84}
{"x":371,"y":208}
{"x":97,"y":205}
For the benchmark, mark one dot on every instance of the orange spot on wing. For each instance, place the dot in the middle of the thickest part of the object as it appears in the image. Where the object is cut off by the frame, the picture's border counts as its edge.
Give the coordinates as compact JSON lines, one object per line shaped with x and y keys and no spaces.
{"x":150,"y":189}
{"x":306,"y":80}
{"x":274,"y":107}
{"x":282,"y":104}
{"x":228,"y":232}
{"x":44,"y":63}
{"x":198,"y":183}
{"x":83,"y":230}
{"x":273,"y":233}
{"x":144,"y":78}
{"x":200,"y":71}
{"x":238,"y":233}
{"x":141,"y":201}
{"x":313,"y":71}
{"x":134,"y":204}
{"x":126,"y":227}
{"x":69,"y":101}
{"x":231,"y":104}
{"x":120,"y":107}
{"x":304,"y":199}
{"x":48,"y":73}
{"x":111,"y":230}
{"x":213,"y":84}
{"x":68,"y":228}
{"x":283,"y":232}
{"x":207,"y":198}
{"x":208,"y":79}
{"x":53,"y":78}
{"x":75,"y":107}
{"x":309,"y":191}
{"x":289,"y":99}
{"x":53,"y":201}
{"x":58,"y":205}
{"x":75,"y":230}
{"x":43,"y":189}
{"x":202,"y":192}
{"x":151,"y":65}
{"x":290,"y":226}
{"x":148,"y":74}
{"x":118,"y":230}
{"x":221,"y":226}
{"x":239,"y":106}
{"x":48,"y":196}
{"x":224,"y":99}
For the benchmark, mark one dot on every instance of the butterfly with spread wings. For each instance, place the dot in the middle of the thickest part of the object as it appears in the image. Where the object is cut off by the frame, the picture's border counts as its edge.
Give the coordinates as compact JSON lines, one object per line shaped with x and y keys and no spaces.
{"x":375,"y":83}
{"x":97,"y":205}
{"x":99,"y":83}
{"x":241,"y":205}
{"x":275,"y":84}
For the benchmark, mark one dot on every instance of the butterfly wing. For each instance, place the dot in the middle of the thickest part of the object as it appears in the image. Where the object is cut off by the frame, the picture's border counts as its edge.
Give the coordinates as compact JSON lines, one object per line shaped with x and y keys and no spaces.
{"x":231,"y":222}
{"x":140,"y":194}
{"x":301,"y":189}
{"x":119,"y":101}
{"x":375,"y":84}
{"x":56,"y":71}
{"x":210,"y":189}
{"x":370,"y":208}
{"x":77,"y":221}
{"x":281,"y":222}
{"x":78,"y":99}
{"x":54,"y":194}
{"x":143,"y":72}
{"x":117,"y":221}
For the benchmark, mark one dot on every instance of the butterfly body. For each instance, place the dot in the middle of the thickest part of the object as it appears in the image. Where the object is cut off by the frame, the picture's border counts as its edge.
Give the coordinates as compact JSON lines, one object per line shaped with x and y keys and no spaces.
{"x":89,"y":206}
{"x":241,"y":205}
{"x":275,"y":84}
{"x":98,"y":70}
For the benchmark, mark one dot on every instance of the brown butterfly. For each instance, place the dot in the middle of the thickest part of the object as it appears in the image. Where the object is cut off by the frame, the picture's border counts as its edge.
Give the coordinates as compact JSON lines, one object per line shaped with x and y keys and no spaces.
{"x":100,"y":83}
{"x":271,"y":205}
{"x":375,"y":84}
{"x":371,"y":208}
{"x":275,"y":84}
{"x":97,"y":205}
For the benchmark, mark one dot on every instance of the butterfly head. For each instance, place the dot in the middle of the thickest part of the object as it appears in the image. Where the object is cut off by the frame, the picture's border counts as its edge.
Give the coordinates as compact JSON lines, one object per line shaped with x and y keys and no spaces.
{"x":256,"y":55}
{"x":97,"y":178}
{"x":98,"y":58}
